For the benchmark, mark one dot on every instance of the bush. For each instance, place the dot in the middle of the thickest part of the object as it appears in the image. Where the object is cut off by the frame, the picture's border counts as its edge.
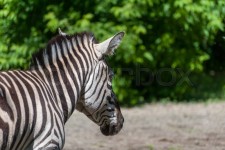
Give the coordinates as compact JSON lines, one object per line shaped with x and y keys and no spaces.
{"x":164,"y":40}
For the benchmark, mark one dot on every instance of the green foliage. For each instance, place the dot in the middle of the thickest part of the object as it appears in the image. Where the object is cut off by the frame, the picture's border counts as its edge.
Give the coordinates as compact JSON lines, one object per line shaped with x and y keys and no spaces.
{"x":159,"y":34}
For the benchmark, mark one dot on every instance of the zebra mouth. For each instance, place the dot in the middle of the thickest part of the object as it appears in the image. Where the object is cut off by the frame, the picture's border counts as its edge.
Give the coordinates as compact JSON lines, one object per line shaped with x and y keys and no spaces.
{"x":110,"y":130}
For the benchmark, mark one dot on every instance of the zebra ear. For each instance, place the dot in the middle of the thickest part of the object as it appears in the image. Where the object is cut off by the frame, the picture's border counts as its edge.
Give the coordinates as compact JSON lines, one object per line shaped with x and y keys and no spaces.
{"x":60,"y":32}
{"x":108,"y":46}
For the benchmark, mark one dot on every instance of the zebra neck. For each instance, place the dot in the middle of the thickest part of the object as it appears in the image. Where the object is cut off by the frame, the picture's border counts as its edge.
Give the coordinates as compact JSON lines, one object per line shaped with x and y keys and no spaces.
{"x":63,"y":65}
{"x":65,"y":89}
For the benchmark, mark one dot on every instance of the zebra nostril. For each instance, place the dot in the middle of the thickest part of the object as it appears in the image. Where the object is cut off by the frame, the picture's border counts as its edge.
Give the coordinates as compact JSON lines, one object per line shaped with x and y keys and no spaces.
{"x":122,"y":120}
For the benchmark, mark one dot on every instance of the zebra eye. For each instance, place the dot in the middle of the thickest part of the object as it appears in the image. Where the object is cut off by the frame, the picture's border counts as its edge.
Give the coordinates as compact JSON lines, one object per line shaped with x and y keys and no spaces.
{"x":109,"y":99}
{"x":111,"y":75}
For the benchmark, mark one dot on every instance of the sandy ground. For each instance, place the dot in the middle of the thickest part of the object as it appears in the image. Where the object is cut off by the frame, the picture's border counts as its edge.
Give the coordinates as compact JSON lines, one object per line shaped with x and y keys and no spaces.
{"x":154,"y":127}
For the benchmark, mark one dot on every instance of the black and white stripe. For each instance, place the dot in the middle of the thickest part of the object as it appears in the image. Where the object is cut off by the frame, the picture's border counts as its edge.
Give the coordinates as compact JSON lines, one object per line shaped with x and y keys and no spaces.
{"x":70,"y":73}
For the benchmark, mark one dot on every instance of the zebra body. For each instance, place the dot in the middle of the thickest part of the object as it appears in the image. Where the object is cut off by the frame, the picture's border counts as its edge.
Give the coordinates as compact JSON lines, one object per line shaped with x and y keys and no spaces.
{"x":28,"y":104}
{"x":70,"y":73}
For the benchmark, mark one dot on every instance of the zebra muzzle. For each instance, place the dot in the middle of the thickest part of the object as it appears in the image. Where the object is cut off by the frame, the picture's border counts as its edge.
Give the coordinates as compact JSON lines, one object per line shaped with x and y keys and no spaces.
{"x":108,"y":130}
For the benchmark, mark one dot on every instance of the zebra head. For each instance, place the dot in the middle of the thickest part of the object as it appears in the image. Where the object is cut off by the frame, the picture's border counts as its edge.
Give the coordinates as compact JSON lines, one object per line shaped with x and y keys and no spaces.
{"x":98,"y":100}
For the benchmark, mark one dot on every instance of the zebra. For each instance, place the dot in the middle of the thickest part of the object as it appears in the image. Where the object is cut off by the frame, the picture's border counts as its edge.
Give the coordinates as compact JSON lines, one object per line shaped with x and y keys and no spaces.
{"x":70,"y":73}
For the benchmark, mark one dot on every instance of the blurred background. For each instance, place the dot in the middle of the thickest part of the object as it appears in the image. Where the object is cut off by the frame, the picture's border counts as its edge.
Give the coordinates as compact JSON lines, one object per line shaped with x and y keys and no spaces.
{"x":174,"y":50}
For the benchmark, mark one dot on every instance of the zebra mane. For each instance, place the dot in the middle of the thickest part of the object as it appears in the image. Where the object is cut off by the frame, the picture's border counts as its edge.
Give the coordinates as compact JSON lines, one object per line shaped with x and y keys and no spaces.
{"x":39,"y":56}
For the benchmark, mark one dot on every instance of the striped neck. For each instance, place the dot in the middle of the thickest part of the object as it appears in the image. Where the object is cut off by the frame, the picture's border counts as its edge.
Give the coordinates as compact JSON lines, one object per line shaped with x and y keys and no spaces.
{"x":64,"y":65}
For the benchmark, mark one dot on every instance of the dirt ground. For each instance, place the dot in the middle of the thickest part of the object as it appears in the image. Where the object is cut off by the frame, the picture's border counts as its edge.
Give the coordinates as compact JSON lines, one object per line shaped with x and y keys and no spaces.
{"x":154,"y":127}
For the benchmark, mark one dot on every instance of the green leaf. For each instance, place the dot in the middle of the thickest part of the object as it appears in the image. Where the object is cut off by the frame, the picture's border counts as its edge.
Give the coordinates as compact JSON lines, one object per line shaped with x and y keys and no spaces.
{"x":148,"y":56}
